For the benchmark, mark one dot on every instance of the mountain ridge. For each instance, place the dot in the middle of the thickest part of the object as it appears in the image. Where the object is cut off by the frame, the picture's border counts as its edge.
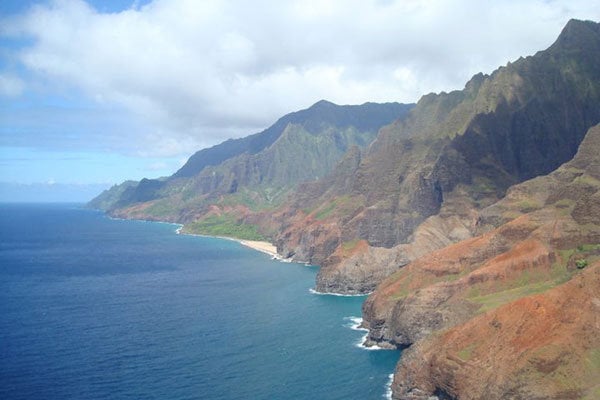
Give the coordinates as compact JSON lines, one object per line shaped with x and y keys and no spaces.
{"x":322,"y":111}
{"x":256,"y":171}
{"x":473,"y":219}
{"x":454,"y":154}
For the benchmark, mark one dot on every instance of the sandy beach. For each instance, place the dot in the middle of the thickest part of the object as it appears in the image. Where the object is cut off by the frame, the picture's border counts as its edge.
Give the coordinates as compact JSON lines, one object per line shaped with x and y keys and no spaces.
{"x":264,"y":247}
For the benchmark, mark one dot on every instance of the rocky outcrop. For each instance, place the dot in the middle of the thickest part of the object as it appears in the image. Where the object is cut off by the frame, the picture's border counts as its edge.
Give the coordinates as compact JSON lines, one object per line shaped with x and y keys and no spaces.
{"x":455,"y":154}
{"x":455,"y":304}
{"x":361,"y":272}
{"x":544,"y":346}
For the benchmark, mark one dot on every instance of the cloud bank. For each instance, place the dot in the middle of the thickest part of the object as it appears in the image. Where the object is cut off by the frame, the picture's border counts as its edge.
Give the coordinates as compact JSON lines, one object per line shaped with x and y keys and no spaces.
{"x":172,"y":76}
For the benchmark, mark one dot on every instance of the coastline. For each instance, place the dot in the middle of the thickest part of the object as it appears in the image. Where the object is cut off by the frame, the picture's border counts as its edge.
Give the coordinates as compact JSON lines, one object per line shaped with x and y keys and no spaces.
{"x":263,"y":247}
{"x":202,"y":294}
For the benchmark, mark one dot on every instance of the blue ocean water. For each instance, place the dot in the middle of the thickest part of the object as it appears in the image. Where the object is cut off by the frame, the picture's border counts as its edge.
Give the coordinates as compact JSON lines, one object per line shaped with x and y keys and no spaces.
{"x":95,"y":308}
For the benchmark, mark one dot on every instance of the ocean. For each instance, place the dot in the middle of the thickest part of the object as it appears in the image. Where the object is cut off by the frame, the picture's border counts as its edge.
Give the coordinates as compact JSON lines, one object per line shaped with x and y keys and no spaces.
{"x":97,"y":308}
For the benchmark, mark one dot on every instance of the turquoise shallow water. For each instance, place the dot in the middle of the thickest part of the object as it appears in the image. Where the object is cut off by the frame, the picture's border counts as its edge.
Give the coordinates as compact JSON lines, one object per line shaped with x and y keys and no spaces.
{"x":94,"y":308}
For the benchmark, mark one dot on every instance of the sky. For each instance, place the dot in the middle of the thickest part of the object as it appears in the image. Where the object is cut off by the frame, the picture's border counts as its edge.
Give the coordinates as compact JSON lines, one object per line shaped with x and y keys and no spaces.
{"x":96,"y":92}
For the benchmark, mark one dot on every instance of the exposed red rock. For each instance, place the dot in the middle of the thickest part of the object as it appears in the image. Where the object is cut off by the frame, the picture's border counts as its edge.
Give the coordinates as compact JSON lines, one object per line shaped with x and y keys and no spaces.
{"x":455,"y":154}
{"x":513,"y":312}
{"x":545,"y":346}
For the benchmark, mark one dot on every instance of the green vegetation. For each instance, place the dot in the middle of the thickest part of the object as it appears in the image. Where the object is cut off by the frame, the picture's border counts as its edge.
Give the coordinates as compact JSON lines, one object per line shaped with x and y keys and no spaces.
{"x":593,"y":359}
{"x":565,"y":254}
{"x":467,"y":353}
{"x":564,"y":207}
{"x":348,"y":248}
{"x":342,"y":205}
{"x":527,"y":284}
{"x":592,"y":367}
{"x":109,"y":198}
{"x":495,"y":300}
{"x":581,"y":264}
{"x":161,"y":208}
{"x":527,"y":206}
{"x":351,"y":245}
{"x":587,"y":180}
{"x":587,"y":249}
{"x":224,"y":225}
{"x":404,"y":288}
{"x":483,"y":185}
{"x":564,"y":203}
{"x":593,"y":395}
{"x":259,"y":171}
{"x":258,"y":198}
{"x":325,"y":211}
{"x":531,"y":282}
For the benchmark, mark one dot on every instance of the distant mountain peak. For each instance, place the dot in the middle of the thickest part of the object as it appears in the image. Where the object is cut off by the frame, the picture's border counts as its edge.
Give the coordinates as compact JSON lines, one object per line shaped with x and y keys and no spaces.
{"x":323,"y":103}
{"x":578,"y":34}
{"x":575,"y":24}
{"x":366,"y":117}
{"x":322,"y":133}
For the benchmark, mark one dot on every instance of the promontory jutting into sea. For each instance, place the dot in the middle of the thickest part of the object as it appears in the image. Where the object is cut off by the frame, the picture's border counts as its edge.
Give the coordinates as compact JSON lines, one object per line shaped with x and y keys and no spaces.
{"x":443,"y":249}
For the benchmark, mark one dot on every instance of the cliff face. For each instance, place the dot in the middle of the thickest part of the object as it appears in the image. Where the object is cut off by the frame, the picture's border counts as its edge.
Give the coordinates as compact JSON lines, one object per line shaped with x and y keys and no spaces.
{"x":540,"y":347}
{"x":108,"y":198}
{"x":428,"y":175}
{"x":518,"y":303}
{"x":474,"y":218}
{"x":256,"y":172}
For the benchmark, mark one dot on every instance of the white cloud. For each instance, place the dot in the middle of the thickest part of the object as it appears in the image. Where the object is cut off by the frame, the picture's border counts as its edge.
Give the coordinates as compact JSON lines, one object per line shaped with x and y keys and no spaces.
{"x":194,"y":73}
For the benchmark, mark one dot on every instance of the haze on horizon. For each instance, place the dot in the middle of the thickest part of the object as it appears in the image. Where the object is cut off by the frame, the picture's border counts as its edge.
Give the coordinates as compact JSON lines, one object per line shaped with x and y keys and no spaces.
{"x":96,"y":92}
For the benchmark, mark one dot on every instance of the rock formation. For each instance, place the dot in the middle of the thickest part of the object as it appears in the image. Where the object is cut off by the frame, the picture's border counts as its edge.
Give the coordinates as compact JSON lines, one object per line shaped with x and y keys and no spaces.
{"x":422,"y":182}
{"x":513,"y":312}
{"x":474,"y":218}
{"x":256,"y":172}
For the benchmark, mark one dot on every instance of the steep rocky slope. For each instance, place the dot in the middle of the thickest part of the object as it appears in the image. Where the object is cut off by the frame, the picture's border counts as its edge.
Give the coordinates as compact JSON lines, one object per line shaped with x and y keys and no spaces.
{"x":421,"y":183}
{"x":519,"y":304}
{"x":256,"y":171}
{"x":484,"y":258}
{"x":540,"y":347}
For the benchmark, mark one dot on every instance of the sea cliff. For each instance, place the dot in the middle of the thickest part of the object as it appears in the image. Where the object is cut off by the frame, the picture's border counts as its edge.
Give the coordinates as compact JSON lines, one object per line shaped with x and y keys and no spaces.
{"x":518,"y":303}
{"x":472,"y":217}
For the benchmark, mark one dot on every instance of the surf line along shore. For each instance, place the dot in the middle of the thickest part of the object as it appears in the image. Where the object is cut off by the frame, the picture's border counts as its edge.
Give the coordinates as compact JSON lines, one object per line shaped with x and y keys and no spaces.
{"x":264,"y":247}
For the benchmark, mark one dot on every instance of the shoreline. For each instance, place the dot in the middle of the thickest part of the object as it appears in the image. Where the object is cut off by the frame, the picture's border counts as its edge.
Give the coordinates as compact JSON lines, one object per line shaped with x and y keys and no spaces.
{"x":271,"y":250}
{"x":258,"y":245}
{"x":263,"y":247}
{"x":315,"y":291}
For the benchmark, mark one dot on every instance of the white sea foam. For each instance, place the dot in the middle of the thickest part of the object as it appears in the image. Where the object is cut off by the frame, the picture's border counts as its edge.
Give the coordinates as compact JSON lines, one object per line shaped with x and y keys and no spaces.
{"x":388,"y":387}
{"x":361,"y":344}
{"x":313,"y":291}
{"x":354,"y":324}
{"x":279,"y":258}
